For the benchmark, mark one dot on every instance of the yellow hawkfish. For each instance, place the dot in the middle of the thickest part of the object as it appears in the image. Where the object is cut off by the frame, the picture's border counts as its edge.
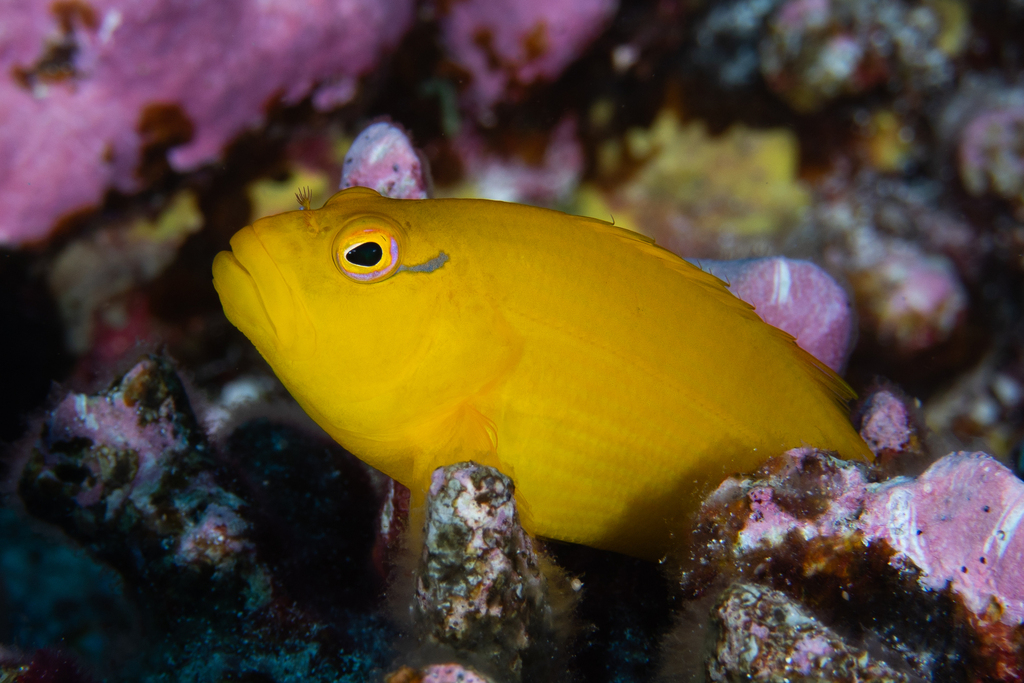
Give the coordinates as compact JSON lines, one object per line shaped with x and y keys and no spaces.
{"x":613,"y":381}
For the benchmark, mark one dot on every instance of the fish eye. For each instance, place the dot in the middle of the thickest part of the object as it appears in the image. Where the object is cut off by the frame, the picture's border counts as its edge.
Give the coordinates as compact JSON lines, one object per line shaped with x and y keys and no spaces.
{"x":367,"y":249}
{"x":367,"y":254}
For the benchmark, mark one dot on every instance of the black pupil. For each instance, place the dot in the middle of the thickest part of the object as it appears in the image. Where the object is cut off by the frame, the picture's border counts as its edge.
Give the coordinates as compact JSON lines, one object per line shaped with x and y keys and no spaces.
{"x":365,"y":254}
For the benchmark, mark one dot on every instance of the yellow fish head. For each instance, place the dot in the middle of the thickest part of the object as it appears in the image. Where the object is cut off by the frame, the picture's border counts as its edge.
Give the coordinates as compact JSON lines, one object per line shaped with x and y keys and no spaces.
{"x":356,"y":309}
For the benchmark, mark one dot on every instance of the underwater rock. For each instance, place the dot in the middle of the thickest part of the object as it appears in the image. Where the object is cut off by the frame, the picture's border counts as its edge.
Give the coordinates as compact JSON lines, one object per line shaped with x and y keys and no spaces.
{"x":888,"y":426}
{"x":982,"y":127}
{"x":436,"y":673}
{"x":797,"y":297}
{"x":266,"y":544}
{"x":87,"y":87}
{"x":506,"y":45}
{"x":982,"y":402}
{"x":727,"y":39}
{"x":479,"y":585}
{"x":44,"y":666}
{"x":451,"y":673}
{"x":958,"y":522}
{"x":942,"y":547}
{"x":909,"y":299}
{"x":991,"y":154}
{"x":382,"y":158}
{"x":765,"y":635}
{"x":905,"y":260}
{"x":551,"y":182}
{"x":128,"y":472}
{"x":817,"y":50}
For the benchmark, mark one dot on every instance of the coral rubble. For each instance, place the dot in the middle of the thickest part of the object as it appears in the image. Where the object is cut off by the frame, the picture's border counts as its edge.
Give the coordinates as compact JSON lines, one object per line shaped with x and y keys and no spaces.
{"x":479,"y":584}
{"x":212,"y":545}
{"x":765,"y":635}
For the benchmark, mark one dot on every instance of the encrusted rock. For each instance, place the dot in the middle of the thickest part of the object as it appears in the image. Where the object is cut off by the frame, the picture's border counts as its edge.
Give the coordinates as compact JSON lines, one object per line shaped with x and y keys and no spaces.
{"x":931,"y":565}
{"x":479,"y":586}
{"x":130,"y":468}
{"x":764,"y":635}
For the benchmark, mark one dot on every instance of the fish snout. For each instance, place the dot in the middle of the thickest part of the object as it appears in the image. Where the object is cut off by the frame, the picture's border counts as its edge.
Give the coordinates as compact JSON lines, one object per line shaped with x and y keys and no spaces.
{"x":256,"y":296}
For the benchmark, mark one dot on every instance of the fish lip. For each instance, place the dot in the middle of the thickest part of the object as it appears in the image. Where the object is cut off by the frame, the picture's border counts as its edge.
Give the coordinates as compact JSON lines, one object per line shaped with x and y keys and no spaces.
{"x":235,"y":261}
{"x":242,"y":299}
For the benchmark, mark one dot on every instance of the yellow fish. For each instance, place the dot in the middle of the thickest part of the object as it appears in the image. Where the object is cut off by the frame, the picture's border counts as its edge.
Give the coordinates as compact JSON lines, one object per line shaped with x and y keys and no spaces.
{"x":613,"y":381}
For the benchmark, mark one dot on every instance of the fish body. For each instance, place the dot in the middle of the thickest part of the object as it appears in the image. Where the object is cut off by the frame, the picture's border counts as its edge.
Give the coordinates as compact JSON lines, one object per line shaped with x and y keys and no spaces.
{"x":613,"y":381}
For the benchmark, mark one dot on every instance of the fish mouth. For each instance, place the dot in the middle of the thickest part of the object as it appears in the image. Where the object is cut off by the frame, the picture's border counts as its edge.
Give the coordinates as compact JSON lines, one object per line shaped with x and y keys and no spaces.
{"x":254,"y":294}
{"x":239,"y":295}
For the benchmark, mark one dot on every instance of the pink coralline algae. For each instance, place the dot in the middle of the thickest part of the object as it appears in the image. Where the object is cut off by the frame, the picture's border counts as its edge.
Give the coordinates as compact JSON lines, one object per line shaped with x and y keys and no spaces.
{"x":84,"y":90}
{"x":451,"y":673}
{"x":382,"y":158}
{"x":114,"y":420}
{"x":550,"y":183}
{"x":886,"y":424}
{"x":905,"y":261}
{"x":479,"y":586}
{"x":436,"y":673}
{"x":957,"y":523}
{"x":797,"y":297}
{"x":764,"y":635}
{"x":991,"y":154}
{"x":259,"y":529}
{"x":912,"y":300}
{"x":120,"y":459}
{"x":508,"y":44}
{"x":952,"y":531}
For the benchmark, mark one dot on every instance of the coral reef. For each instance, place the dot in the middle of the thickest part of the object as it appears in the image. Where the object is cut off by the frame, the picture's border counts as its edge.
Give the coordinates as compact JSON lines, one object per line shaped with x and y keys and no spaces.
{"x":767,"y":636}
{"x":88,"y":87}
{"x":807,"y":520}
{"x":711,"y":197}
{"x":992,"y":154}
{"x":86,"y":280}
{"x":507,"y":45}
{"x":905,"y":260}
{"x":187,"y":522}
{"x":552,"y":182}
{"x":436,"y":673}
{"x":382,"y":158}
{"x":128,"y":473}
{"x":984,"y":403}
{"x":816,"y":50}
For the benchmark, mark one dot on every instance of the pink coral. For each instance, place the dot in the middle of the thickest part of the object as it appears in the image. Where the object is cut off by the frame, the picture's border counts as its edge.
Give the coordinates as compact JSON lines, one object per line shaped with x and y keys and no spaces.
{"x":382,"y":158}
{"x":508,"y":43}
{"x":886,"y":425}
{"x":137,"y":68}
{"x":992,"y":153}
{"x":912,"y":299}
{"x":550,"y":183}
{"x":957,"y":523}
{"x":451,"y":673}
{"x":798,"y":297}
